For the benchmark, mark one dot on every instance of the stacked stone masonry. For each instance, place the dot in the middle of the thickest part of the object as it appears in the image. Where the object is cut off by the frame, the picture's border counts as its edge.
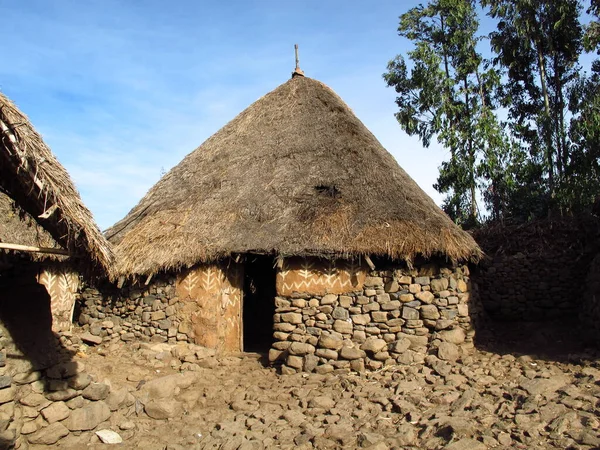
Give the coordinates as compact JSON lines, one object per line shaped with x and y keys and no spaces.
{"x":148,"y":313}
{"x":41,"y":404}
{"x":590,"y":311}
{"x":530,"y":286}
{"x":397,"y":317}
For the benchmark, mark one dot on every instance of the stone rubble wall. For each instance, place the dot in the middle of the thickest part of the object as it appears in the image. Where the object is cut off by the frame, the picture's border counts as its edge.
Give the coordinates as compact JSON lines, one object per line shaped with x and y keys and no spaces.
{"x":531,"y":286}
{"x":145,"y":313}
{"x":41,"y":405}
{"x":398,"y":317}
{"x":590,"y":310}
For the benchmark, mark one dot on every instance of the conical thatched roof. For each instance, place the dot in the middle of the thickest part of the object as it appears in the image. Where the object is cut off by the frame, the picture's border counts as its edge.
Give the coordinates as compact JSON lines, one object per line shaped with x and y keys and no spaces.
{"x":296,"y":173}
{"x":33,"y":177}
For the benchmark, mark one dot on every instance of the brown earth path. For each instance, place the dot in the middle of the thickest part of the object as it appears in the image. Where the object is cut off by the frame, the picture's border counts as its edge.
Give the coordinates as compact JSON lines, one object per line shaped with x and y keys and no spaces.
{"x":487,"y":400}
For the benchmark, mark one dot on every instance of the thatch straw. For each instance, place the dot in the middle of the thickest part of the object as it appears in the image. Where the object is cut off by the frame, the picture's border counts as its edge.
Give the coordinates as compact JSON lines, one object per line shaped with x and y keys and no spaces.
{"x":34,"y":178}
{"x":18,"y":227}
{"x":296,"y":173}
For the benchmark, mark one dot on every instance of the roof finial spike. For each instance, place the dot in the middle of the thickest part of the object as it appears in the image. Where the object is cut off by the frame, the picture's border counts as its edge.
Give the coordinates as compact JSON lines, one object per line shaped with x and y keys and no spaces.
{"x":297,"y":71}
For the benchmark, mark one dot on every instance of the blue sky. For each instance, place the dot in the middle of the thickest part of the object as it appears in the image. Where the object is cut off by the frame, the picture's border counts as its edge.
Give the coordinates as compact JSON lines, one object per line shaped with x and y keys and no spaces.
{"x":123,"y":90}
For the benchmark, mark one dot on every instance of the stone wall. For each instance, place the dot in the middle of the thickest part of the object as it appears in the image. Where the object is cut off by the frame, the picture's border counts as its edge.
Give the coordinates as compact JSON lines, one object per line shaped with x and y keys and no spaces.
{"x":44,"y":394}
{"x":328,"y":314}
{"x":146,"y":313}
{"x":43,"y":403}
{"x":201,"y":305}
{"x":590,"y":311}
{"x":396,"y":316}
{"x":536,"y":271}
{"x":531,"y":287}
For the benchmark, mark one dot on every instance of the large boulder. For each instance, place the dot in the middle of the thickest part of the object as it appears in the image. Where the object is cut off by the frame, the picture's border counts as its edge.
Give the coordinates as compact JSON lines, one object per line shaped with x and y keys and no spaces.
{"x":56,"y":412}
{"x":96,"y":391}
{"x":373,"y":345}
{"x":162,"y":408}
{"x":454,"y":336}
{"x":49,"y":435}
{"x":448,"y":352}
{"x":330,"y":342}
{"x":167,"y":386}
{"x":88,"y":417}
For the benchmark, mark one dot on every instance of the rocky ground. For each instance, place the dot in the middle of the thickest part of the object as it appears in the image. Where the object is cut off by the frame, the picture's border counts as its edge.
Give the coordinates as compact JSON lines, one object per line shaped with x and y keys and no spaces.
{"x":158,"y":396}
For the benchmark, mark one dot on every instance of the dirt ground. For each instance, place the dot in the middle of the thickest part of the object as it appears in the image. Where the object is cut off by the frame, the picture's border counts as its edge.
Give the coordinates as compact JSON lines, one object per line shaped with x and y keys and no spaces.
{"x":501,"y":398}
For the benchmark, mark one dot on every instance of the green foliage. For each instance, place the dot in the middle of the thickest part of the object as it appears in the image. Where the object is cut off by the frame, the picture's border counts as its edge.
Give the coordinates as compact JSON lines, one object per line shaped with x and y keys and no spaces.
{"x":446,"y":94}
{"x":544,"y":157}
{"x":538,"y":43}
{"x":591,"y":38}
{"x":582,"y":180}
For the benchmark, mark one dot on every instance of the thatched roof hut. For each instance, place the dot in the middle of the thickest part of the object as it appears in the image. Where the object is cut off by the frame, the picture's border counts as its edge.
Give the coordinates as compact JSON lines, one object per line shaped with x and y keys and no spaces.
{"x":41,"y":187}
{"x":296,"y":173}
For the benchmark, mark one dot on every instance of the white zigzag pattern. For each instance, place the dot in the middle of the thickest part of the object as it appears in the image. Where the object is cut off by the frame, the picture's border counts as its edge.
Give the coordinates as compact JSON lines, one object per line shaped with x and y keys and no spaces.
{"x":332,"y":277}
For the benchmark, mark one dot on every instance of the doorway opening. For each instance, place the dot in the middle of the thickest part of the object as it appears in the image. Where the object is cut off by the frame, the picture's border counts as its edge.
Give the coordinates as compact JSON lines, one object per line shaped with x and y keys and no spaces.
{"x":259,"y":303}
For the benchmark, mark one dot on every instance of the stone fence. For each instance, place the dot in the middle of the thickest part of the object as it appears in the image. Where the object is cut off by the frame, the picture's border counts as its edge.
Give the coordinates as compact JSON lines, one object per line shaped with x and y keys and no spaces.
{"x":531,"y":287}
{"x":536,"y":271}
{"x":590,"y":311}
{"x":41,"y":405}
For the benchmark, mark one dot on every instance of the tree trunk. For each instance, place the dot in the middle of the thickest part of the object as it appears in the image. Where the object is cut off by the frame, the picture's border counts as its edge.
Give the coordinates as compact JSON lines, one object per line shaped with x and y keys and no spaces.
{"x":547,"y":130}
{"x":471,"y":150}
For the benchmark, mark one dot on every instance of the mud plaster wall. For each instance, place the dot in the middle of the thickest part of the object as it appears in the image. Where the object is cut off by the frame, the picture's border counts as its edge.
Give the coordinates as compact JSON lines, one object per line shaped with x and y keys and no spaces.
{"x":320,"y":277}
{"x":212,"y":302}
{"x":62,"y":284}
{"x":531,"y":286}
{"x":201,"y":305}
{"x":394,"y":316}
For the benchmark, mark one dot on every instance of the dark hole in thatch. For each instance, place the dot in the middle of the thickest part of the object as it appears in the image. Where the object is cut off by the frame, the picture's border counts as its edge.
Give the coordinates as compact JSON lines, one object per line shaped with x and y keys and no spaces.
{"x":328,"y":190}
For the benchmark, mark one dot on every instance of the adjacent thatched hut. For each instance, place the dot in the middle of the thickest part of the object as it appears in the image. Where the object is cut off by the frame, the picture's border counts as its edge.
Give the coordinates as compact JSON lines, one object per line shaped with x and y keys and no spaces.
{"x":294,"y":222}
{"x":46,"y":233}
{"x":32,"y":176}
{"x":48,"y":243}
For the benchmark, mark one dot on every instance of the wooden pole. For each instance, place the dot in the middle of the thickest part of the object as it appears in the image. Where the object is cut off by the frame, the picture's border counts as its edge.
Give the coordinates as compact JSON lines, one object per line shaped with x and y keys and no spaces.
{"x":31,"y":249}
{"x":369,"y":262}
{"x":297,"y":71}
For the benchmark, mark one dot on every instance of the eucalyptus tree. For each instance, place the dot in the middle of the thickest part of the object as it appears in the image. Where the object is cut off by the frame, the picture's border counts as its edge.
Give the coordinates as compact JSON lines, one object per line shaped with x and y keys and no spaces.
{"x":584,"y":168}
{"x":591,"y":38}
{"x":539,"y":43}
{"x":583,"y":172}
{"x":445,"y":92}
